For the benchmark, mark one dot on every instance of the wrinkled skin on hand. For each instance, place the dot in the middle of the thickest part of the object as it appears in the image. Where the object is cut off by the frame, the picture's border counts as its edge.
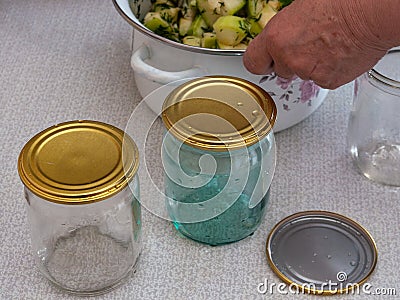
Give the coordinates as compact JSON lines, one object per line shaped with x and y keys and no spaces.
{"x":329,"y":42}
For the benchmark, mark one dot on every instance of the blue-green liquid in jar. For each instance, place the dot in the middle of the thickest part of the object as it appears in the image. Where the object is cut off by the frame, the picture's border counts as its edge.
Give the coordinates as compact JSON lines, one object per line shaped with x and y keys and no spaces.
{"x":238,"y":221}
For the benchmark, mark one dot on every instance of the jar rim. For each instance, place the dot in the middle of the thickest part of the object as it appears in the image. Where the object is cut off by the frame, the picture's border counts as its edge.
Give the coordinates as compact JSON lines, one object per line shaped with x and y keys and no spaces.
{"x":381,"y":78}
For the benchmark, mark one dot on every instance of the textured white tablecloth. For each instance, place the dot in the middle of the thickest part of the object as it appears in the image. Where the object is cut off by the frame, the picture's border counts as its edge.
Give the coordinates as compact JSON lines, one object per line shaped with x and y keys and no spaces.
{"x":66,"y":60}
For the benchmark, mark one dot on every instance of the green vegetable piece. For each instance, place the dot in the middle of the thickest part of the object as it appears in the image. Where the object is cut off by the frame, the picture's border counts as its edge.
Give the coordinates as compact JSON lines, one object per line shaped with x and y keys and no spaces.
{"x":162,"y":4}
{"x":199,"y":26}
{"x":254,"y":8}
{"x":255,"y":28}
{"x":231,"y":7}
{"x":240,"y":46}
{"x":185,"y":27}
{"x":210,"y":11}
{"x":189,"y":10}
{"x":234,"y":22}
{"x":266,"y":14}
{"x":275,"y":4}
{"x":157,"y":24}
{"x":209,"y":40}
{"x":170,"y":14}
{"x":166,"y":2}
{"x":231,"y":30}
{"x":192,"y":40}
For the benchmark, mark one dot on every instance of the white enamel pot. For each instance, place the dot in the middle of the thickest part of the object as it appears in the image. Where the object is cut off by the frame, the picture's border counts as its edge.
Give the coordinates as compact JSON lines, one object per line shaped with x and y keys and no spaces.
{"x":158,"y":61}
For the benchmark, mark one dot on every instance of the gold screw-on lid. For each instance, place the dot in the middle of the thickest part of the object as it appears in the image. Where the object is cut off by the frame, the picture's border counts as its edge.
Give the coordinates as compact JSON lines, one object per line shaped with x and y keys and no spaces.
{"x":219,"y":113}
{"x":78,"y":162}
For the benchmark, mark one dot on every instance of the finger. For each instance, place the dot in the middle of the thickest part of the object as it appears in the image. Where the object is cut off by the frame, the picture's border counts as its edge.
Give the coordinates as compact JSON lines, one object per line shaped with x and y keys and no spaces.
{"x":257,"y":59}
{"x":282,"y":70}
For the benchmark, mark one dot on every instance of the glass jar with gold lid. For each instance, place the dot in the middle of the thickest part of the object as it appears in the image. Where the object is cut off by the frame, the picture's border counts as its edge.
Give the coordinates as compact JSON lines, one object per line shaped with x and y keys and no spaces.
{"x":83,"y":206}
{"x":219,"y":157}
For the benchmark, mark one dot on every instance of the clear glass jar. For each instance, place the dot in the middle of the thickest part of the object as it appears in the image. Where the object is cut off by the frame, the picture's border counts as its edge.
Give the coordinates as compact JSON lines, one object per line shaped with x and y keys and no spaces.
{"x":83,"y":207}
{"x":374,"y":125}
{"x":219,"y":158}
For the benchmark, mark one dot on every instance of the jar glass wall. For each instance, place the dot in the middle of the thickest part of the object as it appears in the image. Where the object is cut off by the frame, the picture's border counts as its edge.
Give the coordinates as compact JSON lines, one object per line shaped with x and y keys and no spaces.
{"x":217,"y":197}
{"x":86,"y":249}
{"x":374,"y":128}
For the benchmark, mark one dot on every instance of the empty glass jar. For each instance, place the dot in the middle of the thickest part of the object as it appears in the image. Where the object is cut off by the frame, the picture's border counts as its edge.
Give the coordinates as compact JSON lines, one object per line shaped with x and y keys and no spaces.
{"x":219,"y":157}
{"x":83,"y":206}
{"x":374,"y":124}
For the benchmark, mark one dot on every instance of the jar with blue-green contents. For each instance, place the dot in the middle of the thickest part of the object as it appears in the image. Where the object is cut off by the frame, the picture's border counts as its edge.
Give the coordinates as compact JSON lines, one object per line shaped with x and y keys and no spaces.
{"x":219,"y":157}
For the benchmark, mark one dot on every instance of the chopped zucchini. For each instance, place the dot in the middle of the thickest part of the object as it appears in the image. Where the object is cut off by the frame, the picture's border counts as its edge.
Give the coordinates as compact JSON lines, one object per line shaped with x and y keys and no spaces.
{"x":215,"y":5}
{"x":192,"y":40}
{"x":207,"y":11}
{"x":170,"y":14}
{"x":199,"y":26}
{"x":209,"y":40}
{"x":189,"y":9}
{"x":254,"y":8}
{"x":266,"y":14}
{"x":162,"y":4}
{"x":254,"y":28}
{"x":185,"y":27}
{"x":240,"y":46}
{"x":231,"y":30}
{"x":225,"y":24}
{"x":156,"y":23}
{"x":275,"y":4}
{"x":231,"y":7}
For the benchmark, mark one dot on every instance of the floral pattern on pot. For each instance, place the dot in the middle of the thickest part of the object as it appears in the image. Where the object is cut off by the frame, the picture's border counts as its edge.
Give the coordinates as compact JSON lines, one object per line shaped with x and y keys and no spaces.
{"x":288,"y":92}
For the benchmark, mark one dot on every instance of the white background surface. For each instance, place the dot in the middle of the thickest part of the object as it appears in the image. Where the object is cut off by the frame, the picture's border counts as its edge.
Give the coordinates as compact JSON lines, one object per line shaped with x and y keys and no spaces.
{"x":66,"y":60}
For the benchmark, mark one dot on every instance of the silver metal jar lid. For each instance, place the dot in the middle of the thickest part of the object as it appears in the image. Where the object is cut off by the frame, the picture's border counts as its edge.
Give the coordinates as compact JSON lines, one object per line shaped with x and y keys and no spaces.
{"x":321,"y":252}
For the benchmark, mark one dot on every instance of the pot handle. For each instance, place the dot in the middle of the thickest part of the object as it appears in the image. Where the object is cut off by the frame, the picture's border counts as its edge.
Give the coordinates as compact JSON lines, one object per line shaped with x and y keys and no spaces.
{"x":143,"y":69}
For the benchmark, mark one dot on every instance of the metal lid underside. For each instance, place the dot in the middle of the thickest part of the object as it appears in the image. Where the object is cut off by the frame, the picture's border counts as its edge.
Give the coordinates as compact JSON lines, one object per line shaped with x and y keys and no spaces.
{"x":321,"y":252}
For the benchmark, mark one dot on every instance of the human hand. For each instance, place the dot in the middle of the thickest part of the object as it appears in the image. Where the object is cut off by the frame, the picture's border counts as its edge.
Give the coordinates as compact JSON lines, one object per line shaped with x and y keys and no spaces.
{"x":329,"y":42}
